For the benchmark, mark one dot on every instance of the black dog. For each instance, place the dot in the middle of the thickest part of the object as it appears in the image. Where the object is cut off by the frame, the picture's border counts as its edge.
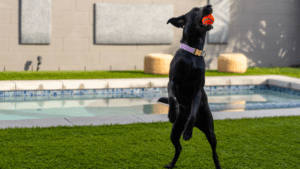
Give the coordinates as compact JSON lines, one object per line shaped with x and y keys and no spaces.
{"x":188,"y":106}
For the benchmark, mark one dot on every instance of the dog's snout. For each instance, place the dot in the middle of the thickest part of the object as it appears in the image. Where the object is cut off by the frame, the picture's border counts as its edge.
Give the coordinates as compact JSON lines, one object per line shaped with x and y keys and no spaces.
{"x":208,"y":9}
{"x":209,"y":6}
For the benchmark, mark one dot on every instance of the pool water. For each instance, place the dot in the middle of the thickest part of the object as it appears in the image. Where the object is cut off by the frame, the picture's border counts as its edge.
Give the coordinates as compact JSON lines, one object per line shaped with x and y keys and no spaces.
{"x":19,"y":105}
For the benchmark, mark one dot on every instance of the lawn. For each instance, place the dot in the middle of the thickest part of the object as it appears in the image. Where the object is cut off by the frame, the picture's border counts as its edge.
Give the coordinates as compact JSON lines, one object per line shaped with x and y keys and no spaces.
{"x":260,"y":143}
{"x":49,"y":75}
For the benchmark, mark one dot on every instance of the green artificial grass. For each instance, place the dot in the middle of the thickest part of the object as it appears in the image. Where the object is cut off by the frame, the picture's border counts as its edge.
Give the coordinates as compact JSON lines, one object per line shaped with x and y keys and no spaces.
{"x":261,"y":143}
{"x":48,"y":75}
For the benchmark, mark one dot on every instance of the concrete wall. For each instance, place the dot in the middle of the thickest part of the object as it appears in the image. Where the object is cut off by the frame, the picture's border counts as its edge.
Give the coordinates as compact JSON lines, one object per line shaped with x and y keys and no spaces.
{"x":266,"y":31}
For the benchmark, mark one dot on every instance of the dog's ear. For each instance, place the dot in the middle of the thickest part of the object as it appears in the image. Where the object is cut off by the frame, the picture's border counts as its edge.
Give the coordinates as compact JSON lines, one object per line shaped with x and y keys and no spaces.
{"x":178,"y":22}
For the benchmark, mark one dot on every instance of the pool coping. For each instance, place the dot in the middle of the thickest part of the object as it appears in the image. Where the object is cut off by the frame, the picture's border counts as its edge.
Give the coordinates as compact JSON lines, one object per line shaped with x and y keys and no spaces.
{"x":20,"y":85}
{"x":272,"y":80}
{"x":129,"y":119}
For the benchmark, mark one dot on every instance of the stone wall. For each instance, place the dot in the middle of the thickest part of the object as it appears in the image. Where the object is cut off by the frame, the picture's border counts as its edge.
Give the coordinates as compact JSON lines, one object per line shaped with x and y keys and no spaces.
{"x":266,"y":31}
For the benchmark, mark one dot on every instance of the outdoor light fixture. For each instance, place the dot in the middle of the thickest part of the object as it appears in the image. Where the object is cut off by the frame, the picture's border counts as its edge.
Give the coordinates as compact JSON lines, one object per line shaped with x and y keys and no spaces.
{"x":39,"y":58}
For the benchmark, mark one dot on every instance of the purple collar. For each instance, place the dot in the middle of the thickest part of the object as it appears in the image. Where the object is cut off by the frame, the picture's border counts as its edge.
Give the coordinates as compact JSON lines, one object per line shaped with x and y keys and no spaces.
{"x":194,"y":51}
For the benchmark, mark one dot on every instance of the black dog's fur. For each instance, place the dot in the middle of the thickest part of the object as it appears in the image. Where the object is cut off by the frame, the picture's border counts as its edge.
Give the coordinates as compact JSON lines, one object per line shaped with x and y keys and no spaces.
{"x":188,"y":106}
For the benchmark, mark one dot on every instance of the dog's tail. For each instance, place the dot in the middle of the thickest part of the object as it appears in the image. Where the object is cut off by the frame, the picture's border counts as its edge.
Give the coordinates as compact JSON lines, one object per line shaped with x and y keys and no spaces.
{"x":163,"y":100}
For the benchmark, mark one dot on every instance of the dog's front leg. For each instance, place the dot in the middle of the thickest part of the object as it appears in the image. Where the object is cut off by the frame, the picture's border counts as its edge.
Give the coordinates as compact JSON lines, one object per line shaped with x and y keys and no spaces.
{"x":187,"y":133}
{"x":172,"y":114}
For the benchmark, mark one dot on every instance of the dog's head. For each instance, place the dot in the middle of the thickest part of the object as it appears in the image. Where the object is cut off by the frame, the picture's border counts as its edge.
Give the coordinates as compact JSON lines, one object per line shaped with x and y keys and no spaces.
{"x":194,"y":17}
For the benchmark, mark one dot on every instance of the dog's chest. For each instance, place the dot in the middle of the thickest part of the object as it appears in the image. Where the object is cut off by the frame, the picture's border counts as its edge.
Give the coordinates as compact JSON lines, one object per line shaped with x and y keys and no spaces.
{"x":197,"y":69}
{"x":191,"y":73}
{"x":198,"y":63}
{"x":195,"y":76}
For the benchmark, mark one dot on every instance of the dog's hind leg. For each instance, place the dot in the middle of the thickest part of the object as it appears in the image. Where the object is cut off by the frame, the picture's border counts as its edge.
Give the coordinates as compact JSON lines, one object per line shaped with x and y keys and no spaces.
{"x":206,"y":125}
{"x":211,"y":137}
{"x":177,"y":129}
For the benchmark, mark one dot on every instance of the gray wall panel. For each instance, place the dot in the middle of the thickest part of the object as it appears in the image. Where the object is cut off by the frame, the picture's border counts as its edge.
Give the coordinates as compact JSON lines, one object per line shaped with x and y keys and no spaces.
{"x":133,"y":23}
{"x":297,"y":62}
{"x":35,"y":21}
{"x":221,"y":14}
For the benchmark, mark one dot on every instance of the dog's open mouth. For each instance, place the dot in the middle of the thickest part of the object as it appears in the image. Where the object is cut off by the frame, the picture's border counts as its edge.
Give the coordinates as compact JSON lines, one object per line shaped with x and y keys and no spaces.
{"x":201,"y":20}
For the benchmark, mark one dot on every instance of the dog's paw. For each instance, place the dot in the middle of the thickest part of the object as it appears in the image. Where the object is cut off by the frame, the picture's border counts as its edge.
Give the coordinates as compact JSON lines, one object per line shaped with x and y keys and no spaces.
{"x":169,"y":166}
{"x":172,"y":119}
{"x":187,"y":134}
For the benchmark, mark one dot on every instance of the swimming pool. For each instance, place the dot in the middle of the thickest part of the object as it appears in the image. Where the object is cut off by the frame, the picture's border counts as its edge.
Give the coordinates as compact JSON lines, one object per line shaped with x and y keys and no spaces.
{"x":17,"y":105}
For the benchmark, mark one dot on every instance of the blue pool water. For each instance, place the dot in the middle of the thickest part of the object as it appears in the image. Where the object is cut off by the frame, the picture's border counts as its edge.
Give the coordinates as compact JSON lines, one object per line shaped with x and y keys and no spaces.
{"x":16,"y":105}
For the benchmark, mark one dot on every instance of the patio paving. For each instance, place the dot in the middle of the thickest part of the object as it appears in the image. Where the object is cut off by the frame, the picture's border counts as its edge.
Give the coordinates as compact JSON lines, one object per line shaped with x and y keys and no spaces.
{"x":128,"y":119}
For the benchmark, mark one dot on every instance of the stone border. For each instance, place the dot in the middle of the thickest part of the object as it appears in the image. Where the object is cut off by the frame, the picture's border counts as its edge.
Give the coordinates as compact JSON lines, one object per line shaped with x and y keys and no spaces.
{"x":129,"y":119}
{"x":19,"y":85}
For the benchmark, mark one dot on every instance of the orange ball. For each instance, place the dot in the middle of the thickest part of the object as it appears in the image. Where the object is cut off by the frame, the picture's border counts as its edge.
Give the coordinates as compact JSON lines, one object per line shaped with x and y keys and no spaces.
{"x":208,"y":19}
